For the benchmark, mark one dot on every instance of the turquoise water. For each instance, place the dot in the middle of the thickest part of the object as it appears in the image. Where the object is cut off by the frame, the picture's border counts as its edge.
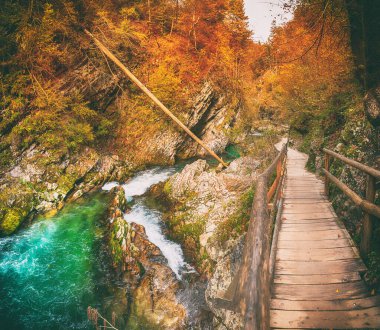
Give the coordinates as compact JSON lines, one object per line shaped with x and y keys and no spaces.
{"x":51,"y":271}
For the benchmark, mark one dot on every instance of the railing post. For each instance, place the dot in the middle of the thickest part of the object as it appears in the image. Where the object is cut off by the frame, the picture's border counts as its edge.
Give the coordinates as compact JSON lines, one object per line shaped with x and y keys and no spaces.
{"x":327,"y":168}
{"x":365,"y":242}
{"x":278,"y":178}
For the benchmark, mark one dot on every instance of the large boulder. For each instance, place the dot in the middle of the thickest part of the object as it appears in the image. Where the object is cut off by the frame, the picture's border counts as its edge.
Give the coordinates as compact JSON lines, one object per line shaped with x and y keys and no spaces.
{"x":155,"y":299}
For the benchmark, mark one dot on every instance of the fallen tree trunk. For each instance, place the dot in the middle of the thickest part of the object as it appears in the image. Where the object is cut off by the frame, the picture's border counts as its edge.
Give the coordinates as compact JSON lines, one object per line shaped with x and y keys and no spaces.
{"x":114,"y":59}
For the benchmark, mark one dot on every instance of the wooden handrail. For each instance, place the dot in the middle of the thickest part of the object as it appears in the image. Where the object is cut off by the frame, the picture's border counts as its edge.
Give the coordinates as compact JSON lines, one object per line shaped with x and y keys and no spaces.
{"x":364,"y":168}
{"x":370,"y":209}
{"x":362,"y":203}
{"x":249,"y":291}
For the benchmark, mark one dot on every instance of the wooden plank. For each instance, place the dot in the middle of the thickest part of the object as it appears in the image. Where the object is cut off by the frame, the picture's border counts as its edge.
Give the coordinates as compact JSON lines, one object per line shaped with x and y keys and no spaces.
{"x":331,"y":220}
{"x":320,"y":291}
{"x":309,"y":187}
{"x":293,"y":178}
{"x":323,"y":215}
{"x":308,"y":205}
{"x":326,"y":305}
{"x":315,"y":254}
{"x":364,"y":318}
{"x":303,"y":184}
{"x":316,"y":279}
{"x":319,"y":267}
{"x":310,"y":226}
{"x":322,"y":244}
{"x":307,"y":200}
{"x":299,"y":209}
{"x":313,"y":236}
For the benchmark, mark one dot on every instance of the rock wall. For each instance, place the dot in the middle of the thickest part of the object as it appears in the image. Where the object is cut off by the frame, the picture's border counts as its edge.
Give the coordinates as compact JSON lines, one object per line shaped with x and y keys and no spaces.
{"x":210,"y":117}
{"x":202,"y":203}
{"x":152,"y":285}
{"x":38,"y":181}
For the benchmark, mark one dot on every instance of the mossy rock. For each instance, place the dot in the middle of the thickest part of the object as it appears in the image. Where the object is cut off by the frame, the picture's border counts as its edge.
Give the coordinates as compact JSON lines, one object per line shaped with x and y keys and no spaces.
{"x":11,"y":221}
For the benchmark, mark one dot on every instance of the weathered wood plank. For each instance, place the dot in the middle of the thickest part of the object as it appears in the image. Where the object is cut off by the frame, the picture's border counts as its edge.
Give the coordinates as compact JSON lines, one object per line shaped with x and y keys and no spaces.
{"x":322,"y":215}
{"x":312,"y":254}
{"x":312,"y":236}
{"x":320,"y":291}
{"x":317,"y":279}
{"x":309,"y":221}
{"x":326,"y":305}
{"x":319,"y":267}
{"x":364,"y":318}
{"x":306,"y":209}
{"x":319,"y":226}
{"x":323,"y":244}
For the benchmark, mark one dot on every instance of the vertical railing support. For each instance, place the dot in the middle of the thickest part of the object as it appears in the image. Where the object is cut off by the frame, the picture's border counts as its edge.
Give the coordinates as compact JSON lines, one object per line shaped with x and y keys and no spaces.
{"x":365,"y":242}
{"x":327,"y":168}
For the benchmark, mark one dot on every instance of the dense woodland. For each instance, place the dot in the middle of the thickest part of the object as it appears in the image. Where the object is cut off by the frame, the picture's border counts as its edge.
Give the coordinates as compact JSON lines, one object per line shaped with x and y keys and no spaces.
{"x":71,"y":121}
{"x":305,"y":72}
{"x":61,"y":94}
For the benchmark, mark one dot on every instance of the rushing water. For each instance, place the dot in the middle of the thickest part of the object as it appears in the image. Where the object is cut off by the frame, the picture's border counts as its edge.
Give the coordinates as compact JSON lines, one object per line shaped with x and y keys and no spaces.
{"x":151,"y":218}
{"x":49,"y":272}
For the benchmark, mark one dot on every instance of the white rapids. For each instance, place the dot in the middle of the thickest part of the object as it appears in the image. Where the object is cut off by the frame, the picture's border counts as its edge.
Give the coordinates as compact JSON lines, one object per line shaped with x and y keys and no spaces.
{"x":150,"y":218}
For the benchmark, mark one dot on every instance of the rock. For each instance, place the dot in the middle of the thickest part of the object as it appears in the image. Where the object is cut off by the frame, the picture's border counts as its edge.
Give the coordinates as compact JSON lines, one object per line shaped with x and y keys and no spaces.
{"x":142,"y":266}
{"x":225,"y":270}
{"x":372,"y":106}
{"x":205,"y":199}
{"x":155,"y":299}
{"x":209,"y":118}
{"x":202,"y":201}
{"x":189,"y":179}
{"x":40,"y":181}
{"x":102,"y":90}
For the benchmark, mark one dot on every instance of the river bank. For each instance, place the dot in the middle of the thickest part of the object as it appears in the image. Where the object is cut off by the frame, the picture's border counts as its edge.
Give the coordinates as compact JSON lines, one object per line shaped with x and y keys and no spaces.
{"x":159,"y":284}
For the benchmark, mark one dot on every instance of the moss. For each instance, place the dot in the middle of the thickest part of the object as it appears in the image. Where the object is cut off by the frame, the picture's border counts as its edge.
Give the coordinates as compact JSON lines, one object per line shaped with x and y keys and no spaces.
{"x":11,"y":221}
{"x":237,"y":223}
{"x":66,"y":181}
{"x":116,"y":243}
{"x":187,"y":234}
{"x":167,"y":188}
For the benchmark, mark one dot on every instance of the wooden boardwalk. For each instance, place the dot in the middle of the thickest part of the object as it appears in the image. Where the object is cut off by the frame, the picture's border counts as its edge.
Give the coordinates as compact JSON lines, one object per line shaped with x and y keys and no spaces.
{"x":317,"y":283}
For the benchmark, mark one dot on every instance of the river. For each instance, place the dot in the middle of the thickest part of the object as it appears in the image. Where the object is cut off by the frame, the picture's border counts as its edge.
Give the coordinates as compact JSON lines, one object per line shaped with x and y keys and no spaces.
{"x":52,"y":270}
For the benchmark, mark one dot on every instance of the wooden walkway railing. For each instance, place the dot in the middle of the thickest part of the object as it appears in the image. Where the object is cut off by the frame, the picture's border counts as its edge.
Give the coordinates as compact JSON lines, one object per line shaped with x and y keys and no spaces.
{"x":371,"y":211}
{"x":249,"y":292}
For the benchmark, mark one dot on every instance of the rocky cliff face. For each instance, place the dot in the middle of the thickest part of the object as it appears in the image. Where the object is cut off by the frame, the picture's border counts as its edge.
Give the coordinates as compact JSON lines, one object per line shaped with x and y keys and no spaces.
{"x":38,"y":180}
{"x":210,"y":117}
{"x":207,"y":216}
{"x":141,"y":266}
